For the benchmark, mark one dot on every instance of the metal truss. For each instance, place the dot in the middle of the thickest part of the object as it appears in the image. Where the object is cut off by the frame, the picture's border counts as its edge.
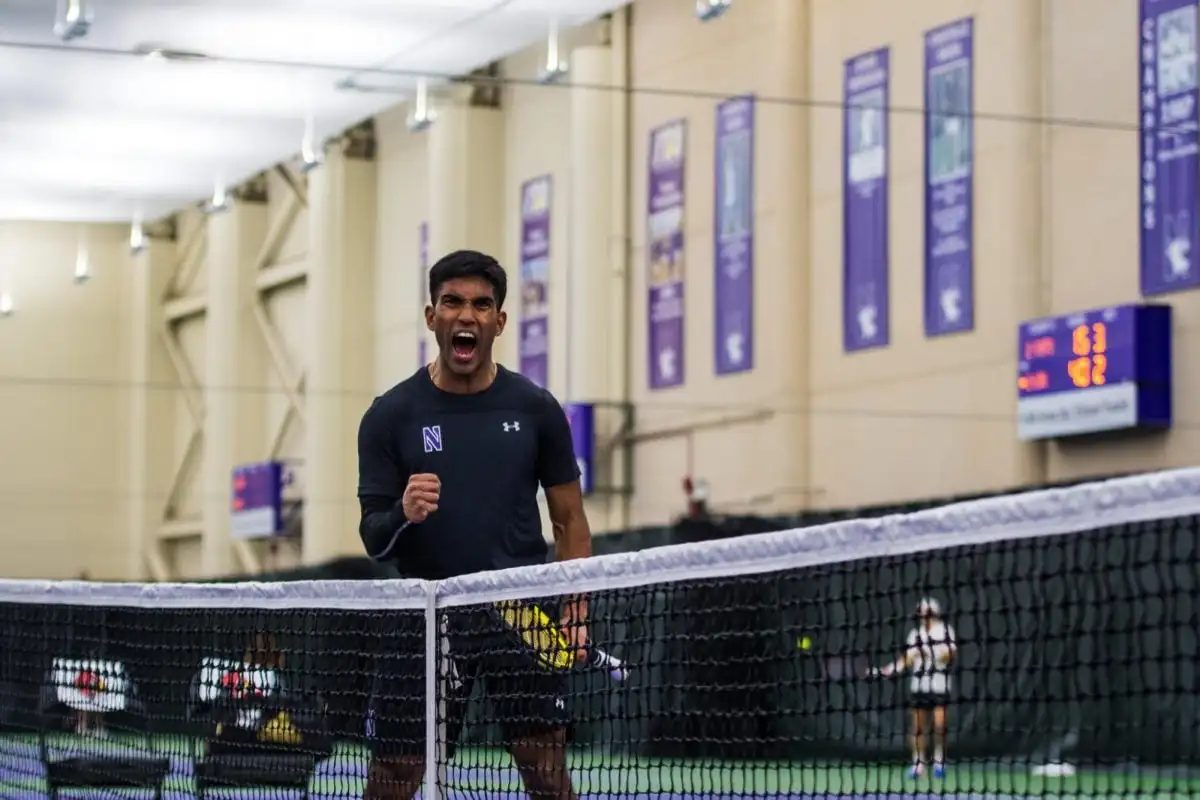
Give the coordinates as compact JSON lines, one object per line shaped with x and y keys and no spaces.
{"x":179,"y":307}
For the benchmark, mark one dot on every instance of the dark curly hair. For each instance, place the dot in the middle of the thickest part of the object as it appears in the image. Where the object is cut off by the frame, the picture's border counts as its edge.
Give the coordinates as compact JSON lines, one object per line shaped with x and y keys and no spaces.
{"x":468,"y":264}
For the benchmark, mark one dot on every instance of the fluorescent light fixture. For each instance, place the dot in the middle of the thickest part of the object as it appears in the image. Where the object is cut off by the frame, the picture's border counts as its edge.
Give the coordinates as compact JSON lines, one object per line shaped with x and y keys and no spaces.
{"x":153,"y":51}
{"x":74,"y":19}
{"x":311,"y":155}
{"x":708,"y":10}
{"x":83,"y":267}
{"x":556,"y":67}
{"x":220,"y":200}
{"x":137,"y":236}
{"x":422,"y":115}
{"x":7,"y":307}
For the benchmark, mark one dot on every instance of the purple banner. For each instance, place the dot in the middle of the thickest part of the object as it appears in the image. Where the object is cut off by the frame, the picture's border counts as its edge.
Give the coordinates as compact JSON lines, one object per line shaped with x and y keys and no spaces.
{"x":865,"y":163}
{"x":1170,"y":165}
{"x":949,"y":179}
{"x":422,"y":292}
{"x":533,"y":334}
{"x":733,"y":232}
{"x":581,"y":417}
{"x":665,"y":254}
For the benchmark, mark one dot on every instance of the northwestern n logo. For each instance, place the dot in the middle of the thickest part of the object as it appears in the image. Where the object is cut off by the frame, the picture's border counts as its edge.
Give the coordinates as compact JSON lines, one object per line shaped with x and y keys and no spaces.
{"x":432,"y":436}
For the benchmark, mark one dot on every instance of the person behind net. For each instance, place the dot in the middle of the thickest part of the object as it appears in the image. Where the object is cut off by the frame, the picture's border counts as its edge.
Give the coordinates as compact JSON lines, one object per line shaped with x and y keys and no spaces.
{"x":450,"y":461}
{"x":931,"y":647}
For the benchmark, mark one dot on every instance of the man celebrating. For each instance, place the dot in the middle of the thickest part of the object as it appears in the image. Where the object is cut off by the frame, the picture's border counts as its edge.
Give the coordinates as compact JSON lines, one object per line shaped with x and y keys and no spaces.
{"x":449,"y":466}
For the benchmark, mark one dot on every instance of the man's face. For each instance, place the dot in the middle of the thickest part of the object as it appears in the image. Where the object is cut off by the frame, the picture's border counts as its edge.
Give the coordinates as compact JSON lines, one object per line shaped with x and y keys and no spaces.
{"x":465,"y":320}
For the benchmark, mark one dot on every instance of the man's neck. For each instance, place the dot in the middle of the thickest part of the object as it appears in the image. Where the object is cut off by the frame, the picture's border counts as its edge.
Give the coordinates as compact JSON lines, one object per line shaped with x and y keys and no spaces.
{"x":474,"y":383}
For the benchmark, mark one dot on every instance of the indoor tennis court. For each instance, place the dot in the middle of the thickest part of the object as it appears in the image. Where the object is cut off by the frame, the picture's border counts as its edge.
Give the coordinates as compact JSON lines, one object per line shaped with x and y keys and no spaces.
{"x":488,"y":775}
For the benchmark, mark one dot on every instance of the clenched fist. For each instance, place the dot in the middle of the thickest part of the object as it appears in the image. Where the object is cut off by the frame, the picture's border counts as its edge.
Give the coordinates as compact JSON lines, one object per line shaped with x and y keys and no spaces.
{"x":421,"y":497}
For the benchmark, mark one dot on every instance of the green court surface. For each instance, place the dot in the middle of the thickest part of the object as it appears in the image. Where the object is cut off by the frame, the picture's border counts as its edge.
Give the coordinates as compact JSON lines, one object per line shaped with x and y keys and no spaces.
{"x":615,"y":774}
{"x":487,"y":773}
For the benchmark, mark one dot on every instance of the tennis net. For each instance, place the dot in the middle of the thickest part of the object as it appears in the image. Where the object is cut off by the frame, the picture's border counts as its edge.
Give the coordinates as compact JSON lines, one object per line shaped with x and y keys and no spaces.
{"x":747,"y":667}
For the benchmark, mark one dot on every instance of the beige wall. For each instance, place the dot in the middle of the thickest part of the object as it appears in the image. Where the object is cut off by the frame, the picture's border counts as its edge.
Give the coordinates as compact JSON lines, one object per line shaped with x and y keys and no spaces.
{"x":741,"y":433}
{"x":811,"y":426}
{"x":402,"y":205}
{"x":63,"y":369}
{"x":1055,"y":231}
{"x":1094,"y":239}
{"x":912,"y":419}
{"x":537,"y":124}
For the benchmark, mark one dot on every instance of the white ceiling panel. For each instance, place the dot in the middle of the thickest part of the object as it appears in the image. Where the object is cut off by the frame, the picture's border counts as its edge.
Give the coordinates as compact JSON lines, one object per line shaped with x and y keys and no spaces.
{"x":90,"y":130}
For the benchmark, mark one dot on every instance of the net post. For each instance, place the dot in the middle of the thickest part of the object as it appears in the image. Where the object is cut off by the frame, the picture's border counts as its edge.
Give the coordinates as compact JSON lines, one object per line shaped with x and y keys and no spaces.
{"x":432,"y":695}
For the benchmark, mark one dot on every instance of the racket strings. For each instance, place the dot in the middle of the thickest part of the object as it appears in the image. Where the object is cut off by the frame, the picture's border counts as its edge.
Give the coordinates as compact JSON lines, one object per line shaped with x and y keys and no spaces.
{"x":538,"y":632}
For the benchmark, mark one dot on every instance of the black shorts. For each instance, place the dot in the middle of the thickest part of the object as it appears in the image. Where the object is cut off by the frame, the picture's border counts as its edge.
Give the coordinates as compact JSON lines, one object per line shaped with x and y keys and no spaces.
{"x":525,"y":697}
{"x":925,"y":700}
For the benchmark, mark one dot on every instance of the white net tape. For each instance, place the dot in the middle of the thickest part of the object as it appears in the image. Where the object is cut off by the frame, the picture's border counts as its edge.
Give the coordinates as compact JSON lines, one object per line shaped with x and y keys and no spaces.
{"x":1049,"y":512}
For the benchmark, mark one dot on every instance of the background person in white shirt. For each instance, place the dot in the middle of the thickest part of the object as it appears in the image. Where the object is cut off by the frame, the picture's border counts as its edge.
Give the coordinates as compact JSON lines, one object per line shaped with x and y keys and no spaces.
{"x":931,"y":647}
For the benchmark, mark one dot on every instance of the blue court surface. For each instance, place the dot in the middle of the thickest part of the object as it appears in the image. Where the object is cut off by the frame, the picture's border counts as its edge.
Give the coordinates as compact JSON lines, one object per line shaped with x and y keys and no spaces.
{"x":482,"y":774}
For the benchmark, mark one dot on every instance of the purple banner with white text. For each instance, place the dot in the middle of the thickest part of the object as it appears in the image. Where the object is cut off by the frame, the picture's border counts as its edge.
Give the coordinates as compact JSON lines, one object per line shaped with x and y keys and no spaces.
{"x":665,"y":254}
{"x":733,"y":231}
{"x":533,"y":336}
{"x":422,"y":292}
{"x":865,"y":162}
{"x":949,"y":179}
{"x":1170,"y":161}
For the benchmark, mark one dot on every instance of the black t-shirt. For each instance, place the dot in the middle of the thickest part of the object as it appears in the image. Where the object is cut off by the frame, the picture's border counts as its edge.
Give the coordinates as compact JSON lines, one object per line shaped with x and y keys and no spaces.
{"x":490,"y":450}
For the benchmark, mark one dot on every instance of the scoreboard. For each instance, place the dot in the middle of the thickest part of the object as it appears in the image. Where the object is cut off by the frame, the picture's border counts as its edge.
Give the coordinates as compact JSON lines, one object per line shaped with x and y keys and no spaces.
{"x":1093,"y":371}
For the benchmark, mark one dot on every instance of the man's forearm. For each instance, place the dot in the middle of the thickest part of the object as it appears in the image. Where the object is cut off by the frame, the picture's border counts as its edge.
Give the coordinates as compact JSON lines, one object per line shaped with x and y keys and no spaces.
{"x":380,"y":531}
{"x":572,"y":539}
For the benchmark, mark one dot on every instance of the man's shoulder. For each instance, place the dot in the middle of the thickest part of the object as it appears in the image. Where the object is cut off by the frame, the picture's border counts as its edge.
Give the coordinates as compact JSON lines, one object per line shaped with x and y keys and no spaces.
{"x":522,"y":392}
{"x":399,"y":400}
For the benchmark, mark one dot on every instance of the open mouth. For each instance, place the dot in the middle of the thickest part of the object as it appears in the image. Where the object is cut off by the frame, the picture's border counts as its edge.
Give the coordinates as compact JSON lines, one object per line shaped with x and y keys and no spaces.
{"x":463,"y":344}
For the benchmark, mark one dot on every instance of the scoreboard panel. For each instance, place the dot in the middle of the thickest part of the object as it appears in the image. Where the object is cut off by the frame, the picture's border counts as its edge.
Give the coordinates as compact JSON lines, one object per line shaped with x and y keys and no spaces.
{"x":1092,"y":371}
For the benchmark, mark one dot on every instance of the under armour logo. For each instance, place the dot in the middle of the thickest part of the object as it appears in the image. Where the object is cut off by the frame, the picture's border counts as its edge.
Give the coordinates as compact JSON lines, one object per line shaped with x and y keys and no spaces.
{"x":559,"y":703}
{"x":509,"y":427}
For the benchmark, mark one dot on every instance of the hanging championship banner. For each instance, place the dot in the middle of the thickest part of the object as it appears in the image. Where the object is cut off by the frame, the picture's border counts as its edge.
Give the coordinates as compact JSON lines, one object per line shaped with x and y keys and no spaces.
{"x":733,"y":230}
{"x":533,"y":334}
{"x":665,"y":255}
{"x":949,"y":179}
{"x":1170,"y":163}
{"x":865,"y":202}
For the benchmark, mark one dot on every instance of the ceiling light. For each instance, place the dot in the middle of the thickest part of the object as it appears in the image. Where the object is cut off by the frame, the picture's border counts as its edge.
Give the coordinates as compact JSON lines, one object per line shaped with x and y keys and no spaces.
{"x":422,"y":115}
{"x":6,"y":304}
{"x":311,"y":156}
{"x":555,"y":68}
{"x":220,"y":200}
{"x":83,"y":268}
{"x":137,"y":236}
{"x":74,"y":19}
{"x":154,"y":51}
{"x":708,"y":10}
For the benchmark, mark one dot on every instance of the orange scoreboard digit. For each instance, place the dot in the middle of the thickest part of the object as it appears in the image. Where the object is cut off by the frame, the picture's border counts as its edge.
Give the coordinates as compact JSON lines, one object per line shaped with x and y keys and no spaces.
{"x":1094,"y":371}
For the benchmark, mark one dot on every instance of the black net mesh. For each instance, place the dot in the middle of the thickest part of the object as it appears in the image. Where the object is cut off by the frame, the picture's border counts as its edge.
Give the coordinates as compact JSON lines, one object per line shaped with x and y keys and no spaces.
{"x":1075,"y":654}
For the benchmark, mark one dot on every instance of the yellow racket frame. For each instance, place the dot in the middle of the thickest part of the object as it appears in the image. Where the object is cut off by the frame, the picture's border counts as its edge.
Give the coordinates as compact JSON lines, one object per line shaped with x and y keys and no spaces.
{"x":539,"y":632}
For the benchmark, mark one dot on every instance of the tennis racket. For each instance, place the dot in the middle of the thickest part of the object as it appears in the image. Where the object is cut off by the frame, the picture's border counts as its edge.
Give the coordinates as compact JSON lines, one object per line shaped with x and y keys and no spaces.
{"x":841,"y":668}
{"x":547,"y":642}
